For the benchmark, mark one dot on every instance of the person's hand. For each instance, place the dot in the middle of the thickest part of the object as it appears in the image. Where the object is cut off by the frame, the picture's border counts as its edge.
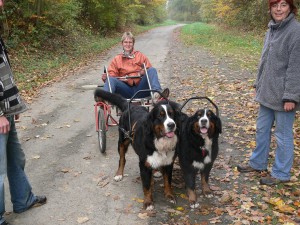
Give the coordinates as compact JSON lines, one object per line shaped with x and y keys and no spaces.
{"x":142,"y":72}
{"x":289,"y":106}
{"x":1,"y":3}
{"x":4,"y":124}
{"x":104,"y":76}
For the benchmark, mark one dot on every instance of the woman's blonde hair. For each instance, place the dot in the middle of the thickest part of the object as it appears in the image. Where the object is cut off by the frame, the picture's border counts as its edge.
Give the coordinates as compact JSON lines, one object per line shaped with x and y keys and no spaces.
{"x":128,"y":35}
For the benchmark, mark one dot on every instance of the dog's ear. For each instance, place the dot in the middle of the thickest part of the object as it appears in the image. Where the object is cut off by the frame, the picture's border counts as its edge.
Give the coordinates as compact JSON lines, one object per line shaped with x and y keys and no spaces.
{"x":165,"y":93}
{"x":218,"y":123}
{"x":217,"y":126}
{"x":177,"y":118}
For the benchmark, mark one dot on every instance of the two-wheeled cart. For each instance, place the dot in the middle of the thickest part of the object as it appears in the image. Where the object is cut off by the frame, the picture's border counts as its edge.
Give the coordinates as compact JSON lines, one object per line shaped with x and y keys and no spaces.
{"x":104,"y":116}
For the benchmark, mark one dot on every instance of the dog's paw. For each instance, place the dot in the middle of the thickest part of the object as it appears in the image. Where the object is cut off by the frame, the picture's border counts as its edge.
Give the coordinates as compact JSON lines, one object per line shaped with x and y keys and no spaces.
{"x":118,"y":178}
{"x":209,"y":195}
{"x":157,"y":174}
{"x":206,"y":191}
{"x":194,"y":205}
{"x":171,"y":199}
{"x":150,"y":207}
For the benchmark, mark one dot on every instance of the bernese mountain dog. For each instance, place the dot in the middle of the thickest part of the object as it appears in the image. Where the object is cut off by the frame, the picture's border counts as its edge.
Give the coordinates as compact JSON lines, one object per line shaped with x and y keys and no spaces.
{"x":153,"y":137}
{"x":197,"y":149}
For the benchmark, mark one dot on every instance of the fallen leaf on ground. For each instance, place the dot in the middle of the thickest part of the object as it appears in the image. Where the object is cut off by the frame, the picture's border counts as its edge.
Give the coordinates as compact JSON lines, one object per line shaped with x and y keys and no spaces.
{"x":81,"y":220}
{"x":143,"y":216}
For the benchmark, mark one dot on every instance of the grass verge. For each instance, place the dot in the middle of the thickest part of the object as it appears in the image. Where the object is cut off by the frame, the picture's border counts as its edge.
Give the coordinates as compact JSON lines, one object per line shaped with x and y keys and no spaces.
{"x":243,"y":48}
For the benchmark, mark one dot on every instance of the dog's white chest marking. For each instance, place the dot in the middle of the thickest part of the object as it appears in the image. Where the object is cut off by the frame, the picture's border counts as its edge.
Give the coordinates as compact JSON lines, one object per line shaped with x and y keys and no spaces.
{"x":160,"y":159}
{"x":165,"y":152}
{"x":207,"y":159}
{"x":165,"y":146}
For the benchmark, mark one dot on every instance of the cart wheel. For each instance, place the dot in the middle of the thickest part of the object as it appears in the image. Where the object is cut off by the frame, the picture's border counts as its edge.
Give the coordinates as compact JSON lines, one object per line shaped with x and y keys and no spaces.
{"x":102,"y":131}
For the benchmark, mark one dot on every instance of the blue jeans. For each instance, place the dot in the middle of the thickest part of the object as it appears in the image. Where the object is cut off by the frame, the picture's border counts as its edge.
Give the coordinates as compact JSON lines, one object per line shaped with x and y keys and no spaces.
{"x":120,"y":87}
{"x":284,"y":153}
{"x":12,"y":163}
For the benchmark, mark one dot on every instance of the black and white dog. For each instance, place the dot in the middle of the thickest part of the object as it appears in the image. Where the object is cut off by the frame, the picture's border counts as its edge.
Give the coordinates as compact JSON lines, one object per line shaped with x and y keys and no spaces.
{"x":153,"y":138}
{"x":197,"y":149}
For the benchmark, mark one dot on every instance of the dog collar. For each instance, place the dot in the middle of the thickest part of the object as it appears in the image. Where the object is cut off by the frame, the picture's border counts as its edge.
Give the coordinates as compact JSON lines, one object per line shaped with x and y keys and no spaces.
{"x":204,"y":151}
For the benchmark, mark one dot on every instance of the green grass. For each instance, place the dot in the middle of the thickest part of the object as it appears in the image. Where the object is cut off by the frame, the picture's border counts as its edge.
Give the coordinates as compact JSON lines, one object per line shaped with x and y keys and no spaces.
{"x":243,"y":48}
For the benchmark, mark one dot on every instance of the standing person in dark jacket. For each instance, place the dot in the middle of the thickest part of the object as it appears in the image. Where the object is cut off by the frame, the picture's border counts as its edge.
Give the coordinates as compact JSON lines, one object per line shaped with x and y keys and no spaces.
{"x":278,"y":93}
{"x":12,"y":158}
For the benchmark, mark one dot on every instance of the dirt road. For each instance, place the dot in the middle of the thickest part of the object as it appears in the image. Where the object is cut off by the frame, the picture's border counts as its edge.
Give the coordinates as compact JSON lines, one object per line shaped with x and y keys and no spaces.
{"x":64,"y":163}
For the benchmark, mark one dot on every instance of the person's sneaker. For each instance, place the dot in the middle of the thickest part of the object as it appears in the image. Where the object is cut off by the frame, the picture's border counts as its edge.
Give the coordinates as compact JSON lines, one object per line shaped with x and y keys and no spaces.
{"x":4,"y":223}
{"x":271,"y":181}
{"x":247,"y":169}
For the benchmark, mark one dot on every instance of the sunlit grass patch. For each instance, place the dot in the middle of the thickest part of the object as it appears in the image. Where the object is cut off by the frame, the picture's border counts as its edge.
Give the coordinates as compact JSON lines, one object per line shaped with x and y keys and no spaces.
{"x":243,"y":48}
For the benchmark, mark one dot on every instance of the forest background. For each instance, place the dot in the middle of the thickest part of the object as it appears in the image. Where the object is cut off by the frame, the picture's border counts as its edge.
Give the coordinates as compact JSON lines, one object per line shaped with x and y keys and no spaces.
{"x":47,"y":38}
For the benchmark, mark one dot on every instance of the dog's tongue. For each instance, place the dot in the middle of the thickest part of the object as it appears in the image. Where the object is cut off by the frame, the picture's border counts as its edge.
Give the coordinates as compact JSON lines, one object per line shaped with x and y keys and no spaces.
{"x":170,"y":134}
{"x":203,"y":130}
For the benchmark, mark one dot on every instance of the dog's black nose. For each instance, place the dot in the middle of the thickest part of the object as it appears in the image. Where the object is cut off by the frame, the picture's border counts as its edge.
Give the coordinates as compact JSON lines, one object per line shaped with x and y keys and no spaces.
{"x":203,"y":121}
{"x":171,"y":125}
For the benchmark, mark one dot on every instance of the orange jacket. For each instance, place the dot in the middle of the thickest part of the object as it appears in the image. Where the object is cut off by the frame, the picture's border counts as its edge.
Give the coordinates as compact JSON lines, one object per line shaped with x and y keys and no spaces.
{"x":121,"y":66}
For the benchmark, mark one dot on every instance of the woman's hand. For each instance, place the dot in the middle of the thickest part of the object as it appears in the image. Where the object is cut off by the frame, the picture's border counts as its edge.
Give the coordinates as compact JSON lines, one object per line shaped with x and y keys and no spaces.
{"x":289,"y":106}
{"x":104,"y":76}
{"x":142,"y":72}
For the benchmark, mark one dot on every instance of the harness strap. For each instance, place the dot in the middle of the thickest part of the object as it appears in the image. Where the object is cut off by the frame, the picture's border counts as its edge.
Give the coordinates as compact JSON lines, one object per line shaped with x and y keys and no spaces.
{"x":133,"y":131}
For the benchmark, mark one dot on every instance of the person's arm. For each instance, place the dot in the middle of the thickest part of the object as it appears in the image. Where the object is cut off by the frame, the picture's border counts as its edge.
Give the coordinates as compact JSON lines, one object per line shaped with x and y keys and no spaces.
{"x":146,"y":61}
{"x":143,"y":59}
{"x":261,"y":61}
{"x":113,"y":69}
{"x":291,"y":95}
{"x":4,"y":125}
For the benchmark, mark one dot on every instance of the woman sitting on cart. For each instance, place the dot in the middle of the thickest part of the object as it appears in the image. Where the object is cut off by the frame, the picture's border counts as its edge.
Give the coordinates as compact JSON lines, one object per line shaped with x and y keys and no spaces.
{"x":130,"y":63}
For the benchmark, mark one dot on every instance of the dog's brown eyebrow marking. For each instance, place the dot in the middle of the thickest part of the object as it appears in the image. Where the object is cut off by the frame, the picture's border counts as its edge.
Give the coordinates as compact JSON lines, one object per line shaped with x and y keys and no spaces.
{"x":170,"y":111}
